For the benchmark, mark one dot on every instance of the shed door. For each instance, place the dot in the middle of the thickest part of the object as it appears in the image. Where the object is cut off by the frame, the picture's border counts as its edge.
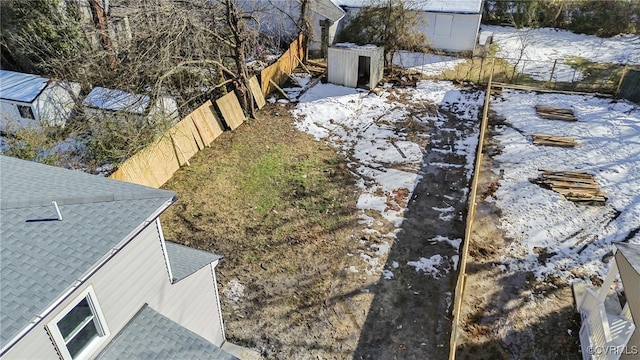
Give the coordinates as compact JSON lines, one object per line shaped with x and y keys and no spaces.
{"x":364,"y":70}
{"x":443,"y":25}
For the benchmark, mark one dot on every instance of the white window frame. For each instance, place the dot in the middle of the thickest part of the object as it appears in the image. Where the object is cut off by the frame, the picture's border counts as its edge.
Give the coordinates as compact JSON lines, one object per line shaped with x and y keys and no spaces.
{"x":101,"y":325}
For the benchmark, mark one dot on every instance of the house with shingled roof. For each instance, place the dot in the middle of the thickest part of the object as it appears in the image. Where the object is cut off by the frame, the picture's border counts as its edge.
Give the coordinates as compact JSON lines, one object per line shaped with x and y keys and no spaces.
{"x":85,"y":272}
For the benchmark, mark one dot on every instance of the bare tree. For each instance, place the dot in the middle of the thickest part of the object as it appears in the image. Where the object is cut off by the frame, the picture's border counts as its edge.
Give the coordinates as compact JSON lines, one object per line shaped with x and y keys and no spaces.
{"x":387,"y":23}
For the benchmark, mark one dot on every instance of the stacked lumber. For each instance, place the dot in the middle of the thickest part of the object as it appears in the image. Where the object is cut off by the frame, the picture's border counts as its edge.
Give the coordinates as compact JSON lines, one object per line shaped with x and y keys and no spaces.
{"x":551,"y":113}
{"x":574,"y":185}
{"x":316,"y":67}
{"x":551,"y":140}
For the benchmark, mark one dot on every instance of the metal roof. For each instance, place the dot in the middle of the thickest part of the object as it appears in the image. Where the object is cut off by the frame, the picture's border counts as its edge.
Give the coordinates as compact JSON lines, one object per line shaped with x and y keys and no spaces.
{"x":40,"y":256}
{"x":448,"y":6}
{"x":116,"y":100}
{"x":327,"y":9}
{"x":185,"y":260}
{"x":21,"y":87}
{"x":150,"y":335}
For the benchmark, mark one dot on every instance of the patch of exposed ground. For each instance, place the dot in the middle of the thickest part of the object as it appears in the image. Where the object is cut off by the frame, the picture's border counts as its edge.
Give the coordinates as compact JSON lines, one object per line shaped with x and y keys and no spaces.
{"x":509,"y":315}
{"x":280,"y":207}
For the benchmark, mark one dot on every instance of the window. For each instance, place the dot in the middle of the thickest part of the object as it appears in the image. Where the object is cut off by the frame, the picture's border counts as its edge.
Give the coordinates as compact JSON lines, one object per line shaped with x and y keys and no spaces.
{"x":26,"y":112}
{"x":80,"y":328}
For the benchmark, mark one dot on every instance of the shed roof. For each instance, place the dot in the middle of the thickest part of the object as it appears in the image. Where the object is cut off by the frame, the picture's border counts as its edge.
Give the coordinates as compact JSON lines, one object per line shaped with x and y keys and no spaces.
{"x":448,"y":6}
{"x":327,"y":9}
{"x":185,"y":260}
{"x":631,"y":253}
{"x":150,"y":335}
{"x":116,"y":100}
{"x":42,"y":257}
{"x":21,"y":87}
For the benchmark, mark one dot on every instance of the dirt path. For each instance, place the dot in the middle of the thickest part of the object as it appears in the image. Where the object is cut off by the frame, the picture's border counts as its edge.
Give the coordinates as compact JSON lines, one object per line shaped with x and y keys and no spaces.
{"x":509,"y":315}
{"x":410,"y":317}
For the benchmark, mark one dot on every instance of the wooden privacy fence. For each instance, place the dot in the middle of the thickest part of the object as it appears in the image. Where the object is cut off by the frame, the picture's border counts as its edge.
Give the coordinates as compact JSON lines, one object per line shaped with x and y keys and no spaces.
{"x":471,"y":213}
{"x":155,"y":164}
{"x":278,"y":73}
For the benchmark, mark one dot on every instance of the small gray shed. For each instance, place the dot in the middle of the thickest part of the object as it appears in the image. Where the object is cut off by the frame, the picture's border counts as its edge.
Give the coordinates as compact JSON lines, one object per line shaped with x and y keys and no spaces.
{"x":355,"y":65}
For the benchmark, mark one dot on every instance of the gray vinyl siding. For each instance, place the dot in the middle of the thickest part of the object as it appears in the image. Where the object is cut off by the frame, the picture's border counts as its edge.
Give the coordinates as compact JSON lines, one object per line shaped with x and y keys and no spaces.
{"x":192,"y":303}
{"x":133,"y":277}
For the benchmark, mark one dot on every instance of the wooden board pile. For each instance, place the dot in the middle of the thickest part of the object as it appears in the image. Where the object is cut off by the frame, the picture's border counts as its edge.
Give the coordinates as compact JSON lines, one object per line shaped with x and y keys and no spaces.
{"x":316,"y":68}
{"x":551,"y":140}
{"x":551,"y":113}
{"x":574,"y":185}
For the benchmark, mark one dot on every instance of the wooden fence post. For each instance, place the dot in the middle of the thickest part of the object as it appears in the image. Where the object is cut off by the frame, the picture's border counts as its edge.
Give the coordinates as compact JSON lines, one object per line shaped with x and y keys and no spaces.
{"x":553,"y":69}
{"x":624,"y":74}
{"x":462,"y":276}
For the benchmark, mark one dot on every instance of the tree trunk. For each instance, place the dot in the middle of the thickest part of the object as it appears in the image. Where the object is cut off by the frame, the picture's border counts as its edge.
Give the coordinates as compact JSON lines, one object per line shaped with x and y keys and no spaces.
{"x":100,"y":21}
{"x":239,"y":30}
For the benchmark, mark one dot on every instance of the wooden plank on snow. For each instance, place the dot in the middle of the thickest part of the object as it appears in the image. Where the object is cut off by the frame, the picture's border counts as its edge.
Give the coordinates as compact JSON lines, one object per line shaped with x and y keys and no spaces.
{"x":573,"y":185}
{"x":553,"y":113}
{"x":551,"y":140}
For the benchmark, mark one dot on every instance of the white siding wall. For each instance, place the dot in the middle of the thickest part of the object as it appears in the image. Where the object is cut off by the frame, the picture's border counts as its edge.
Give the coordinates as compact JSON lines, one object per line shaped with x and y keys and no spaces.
{"x":316,"y":43}
{"x":452,"y":32}
{"x":342,"y":65}
{"x":445,"y":31}
{"x":631,"y":284}
{"x":192,"y":302}
{"x":54,"y":105}
{"x":135,"y":276}
{"x":10,"y":118}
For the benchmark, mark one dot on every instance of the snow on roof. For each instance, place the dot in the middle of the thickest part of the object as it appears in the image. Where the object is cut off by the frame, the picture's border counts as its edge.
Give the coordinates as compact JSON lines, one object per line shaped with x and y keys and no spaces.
{"x":116,"y":100}
{"x":355,"y":46}
{"x":452,"y":6}
{"x":21,"y":87}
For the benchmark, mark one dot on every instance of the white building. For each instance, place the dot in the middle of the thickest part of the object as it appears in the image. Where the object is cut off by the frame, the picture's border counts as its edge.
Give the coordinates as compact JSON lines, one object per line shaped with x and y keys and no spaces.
{"x":28,"y":100}
{"x":355,"y":66}
{"x":450,"y":25}
{"x":103,"y":103}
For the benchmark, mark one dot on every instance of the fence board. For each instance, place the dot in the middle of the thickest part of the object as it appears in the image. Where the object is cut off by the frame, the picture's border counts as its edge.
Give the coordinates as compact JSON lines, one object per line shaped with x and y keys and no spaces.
{"x":231,"y":110}
{"x":279,"y":71}
{"x":156,"y":164}
{"x":257,"y":92}
{"x":206,"y":123}
{"x":182,"y":135}
{"x":161,"y":160}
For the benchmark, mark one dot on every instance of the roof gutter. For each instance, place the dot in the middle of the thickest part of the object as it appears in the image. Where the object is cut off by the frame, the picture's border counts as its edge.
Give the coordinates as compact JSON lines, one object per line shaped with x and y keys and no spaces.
{"x":67,"y":293}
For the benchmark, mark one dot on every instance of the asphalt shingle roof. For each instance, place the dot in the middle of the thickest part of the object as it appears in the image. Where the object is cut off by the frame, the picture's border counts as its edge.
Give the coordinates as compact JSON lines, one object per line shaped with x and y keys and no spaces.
{"x":185,"y":260}
{"x":150,"y":335}
{"x":41,"y":257}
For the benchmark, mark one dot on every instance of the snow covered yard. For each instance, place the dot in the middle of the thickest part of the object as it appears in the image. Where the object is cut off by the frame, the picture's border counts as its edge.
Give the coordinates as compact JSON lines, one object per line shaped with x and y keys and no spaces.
{"x":575,"y":238}
{"x":533,"y":51}
{"x":385,"y":139}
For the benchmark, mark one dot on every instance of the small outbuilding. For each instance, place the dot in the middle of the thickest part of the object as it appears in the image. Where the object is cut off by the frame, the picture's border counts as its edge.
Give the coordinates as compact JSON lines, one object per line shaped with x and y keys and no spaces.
{"x":28,"y":100}
{"x":450,"y":25}
{"x":355,"y":65}
{"x":103,"y":103}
